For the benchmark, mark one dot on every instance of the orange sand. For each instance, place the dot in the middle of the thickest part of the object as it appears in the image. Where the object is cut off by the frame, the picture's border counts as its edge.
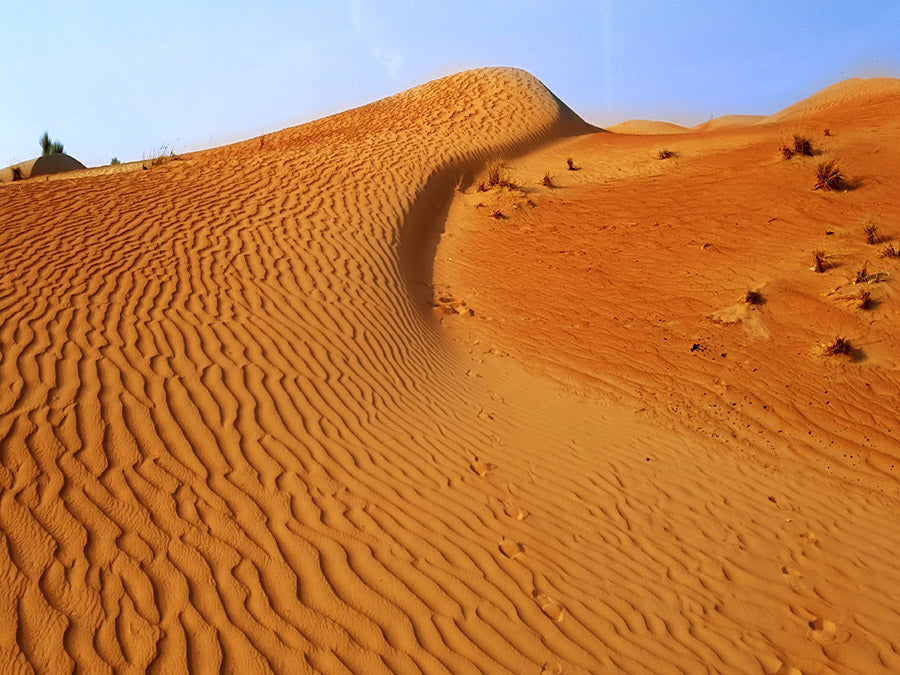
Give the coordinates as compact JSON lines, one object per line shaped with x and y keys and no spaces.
{"x":236,"y":435}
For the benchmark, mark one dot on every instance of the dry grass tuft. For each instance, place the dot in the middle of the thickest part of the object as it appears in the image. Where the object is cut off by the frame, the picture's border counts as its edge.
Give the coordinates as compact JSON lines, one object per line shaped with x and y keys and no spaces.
{"x":753,"y":298}
{"x":862,"y":274}
{"x":870,"y":227}
{"x":889,"y":252}
{"x":665,"y":153}
{"x":865,"y":300}
{"x":838,"y":347}
{"x":829,"y":176}
{"x":571,"y":164}
{"x":498,"y":176}
{"x":497,"y":214}
{"x":828,"y":132}
{"x":820,"y":261}
{"x":803,"y":146}
{"x":786,"y":151}
{"x":545,"y":181}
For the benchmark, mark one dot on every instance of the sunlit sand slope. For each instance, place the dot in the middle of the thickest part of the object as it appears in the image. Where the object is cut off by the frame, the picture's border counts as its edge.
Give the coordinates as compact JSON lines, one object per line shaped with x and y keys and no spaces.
{"x":627,"y":278}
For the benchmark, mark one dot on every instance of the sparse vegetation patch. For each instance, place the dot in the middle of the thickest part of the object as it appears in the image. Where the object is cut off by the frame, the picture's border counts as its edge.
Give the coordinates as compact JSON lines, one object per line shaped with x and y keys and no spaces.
{"x":889,"y":252}
{"x":49,"y":147}
{"x":870,"y":228}
{"x":753,"y":298}
{"x":865,"y":300}
{"x":803,"y":146}
{"x":838,"y":347}
{"x":820,"y":261}
{"x":829,"y":176}
{"x":665,"y":153}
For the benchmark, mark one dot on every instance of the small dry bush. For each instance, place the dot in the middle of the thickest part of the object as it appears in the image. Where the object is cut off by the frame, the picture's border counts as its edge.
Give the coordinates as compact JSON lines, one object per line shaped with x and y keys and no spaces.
{"x":753,"y":298}
{"x":786,"y":151}
{"x":838,"y":347}
{"x":545,"y":181}
{"x":862,"y":274}
{"x":665,"y":153}
{"x":820,"y":261}
{"x":498,"y":176}
{"x":497,"y":214}
{"x":828,"y":132}
{"x":865,"y":300}
{"x":889,"y":252}
{"x":829,"y":176}
{"x":803,"y":146}
{"x":870,"y":228}
{"x":17,"y":173}
{"x":570,"y":164}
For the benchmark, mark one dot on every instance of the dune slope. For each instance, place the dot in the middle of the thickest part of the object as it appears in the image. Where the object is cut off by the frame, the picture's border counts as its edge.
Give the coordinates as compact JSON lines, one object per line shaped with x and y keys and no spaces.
{"x":235,"y":434}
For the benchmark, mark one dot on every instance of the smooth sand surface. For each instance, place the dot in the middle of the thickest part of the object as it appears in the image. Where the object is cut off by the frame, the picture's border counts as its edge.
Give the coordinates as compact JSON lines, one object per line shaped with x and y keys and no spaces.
{"x":45,"y":165}
{"x":316,"y":402}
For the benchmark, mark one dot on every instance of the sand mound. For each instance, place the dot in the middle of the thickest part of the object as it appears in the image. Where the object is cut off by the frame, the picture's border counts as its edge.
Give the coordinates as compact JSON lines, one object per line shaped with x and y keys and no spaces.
{"x":647,"y":127}
{"x":726,"y":121}
{"x":855,"y":92}
{"x":246,"y":426}
{"x":40,"y":166}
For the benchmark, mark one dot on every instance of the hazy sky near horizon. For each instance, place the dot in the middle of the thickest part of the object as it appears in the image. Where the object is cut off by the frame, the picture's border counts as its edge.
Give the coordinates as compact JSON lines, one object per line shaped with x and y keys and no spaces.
{"x":124,"y":79}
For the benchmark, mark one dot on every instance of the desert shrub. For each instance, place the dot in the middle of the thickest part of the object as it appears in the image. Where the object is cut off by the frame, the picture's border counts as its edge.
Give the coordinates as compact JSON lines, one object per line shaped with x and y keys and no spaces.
{"x":753,"y":298}
{"x":865,"y":300}
{"x":838,"y":347}
{"x":498,"y":176}
{"x":545,"y":181}
{"x":862,"y":274}
{"x":161,"y":155}
{"x":820,"y":261}
{"x":570,"y":164}
{"x":786,"y":151}
{"x":665,"y":153}
{"x":870,"y":228}
{"x":17,"y":173}
{"x":889,"y":252}
{"x":828,"y":132}
{"x":49,"y":147}
{"x":114,"y":161}
{"x":803,"y":146}
{"x":829,"y":176}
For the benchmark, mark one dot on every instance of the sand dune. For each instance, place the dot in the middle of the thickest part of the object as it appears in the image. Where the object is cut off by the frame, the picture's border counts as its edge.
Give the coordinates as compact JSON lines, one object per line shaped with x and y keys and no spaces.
{"x":647,"y":127}
{"x":314,"y":402}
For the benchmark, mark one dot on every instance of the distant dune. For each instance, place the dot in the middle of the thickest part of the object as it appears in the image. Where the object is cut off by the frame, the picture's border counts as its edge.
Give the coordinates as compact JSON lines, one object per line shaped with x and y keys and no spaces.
{"x":645,"y":127}
{"x":404,"y":389}
{"x":46,"y":165}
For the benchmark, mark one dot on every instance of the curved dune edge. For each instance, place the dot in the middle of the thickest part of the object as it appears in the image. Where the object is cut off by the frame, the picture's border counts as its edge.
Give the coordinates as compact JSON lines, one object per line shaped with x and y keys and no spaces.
{"x":230,"y":438}
{"x":625,"y":282}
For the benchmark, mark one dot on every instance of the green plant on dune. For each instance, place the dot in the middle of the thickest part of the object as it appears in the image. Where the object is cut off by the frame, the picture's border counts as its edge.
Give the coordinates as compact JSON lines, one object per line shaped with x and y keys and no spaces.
{"x":49,"y":147}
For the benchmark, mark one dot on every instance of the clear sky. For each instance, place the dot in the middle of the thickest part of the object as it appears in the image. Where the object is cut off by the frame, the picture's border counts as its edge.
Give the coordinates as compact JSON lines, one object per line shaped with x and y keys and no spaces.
{"x":120,"y":78}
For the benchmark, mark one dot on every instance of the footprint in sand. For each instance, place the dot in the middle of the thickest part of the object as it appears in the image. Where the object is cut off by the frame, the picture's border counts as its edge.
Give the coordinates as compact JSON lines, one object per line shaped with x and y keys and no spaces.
{"x":549,"y":606}
{"x":511,"y":549}
{"x":481,"y":468}
{"x":514,"y":511}
{"x":823,"y":630}
{"x":787,"y":669}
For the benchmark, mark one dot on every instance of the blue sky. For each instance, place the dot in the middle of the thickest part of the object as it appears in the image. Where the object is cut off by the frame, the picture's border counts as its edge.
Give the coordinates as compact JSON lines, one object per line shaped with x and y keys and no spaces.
{"x":123,"y":79}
